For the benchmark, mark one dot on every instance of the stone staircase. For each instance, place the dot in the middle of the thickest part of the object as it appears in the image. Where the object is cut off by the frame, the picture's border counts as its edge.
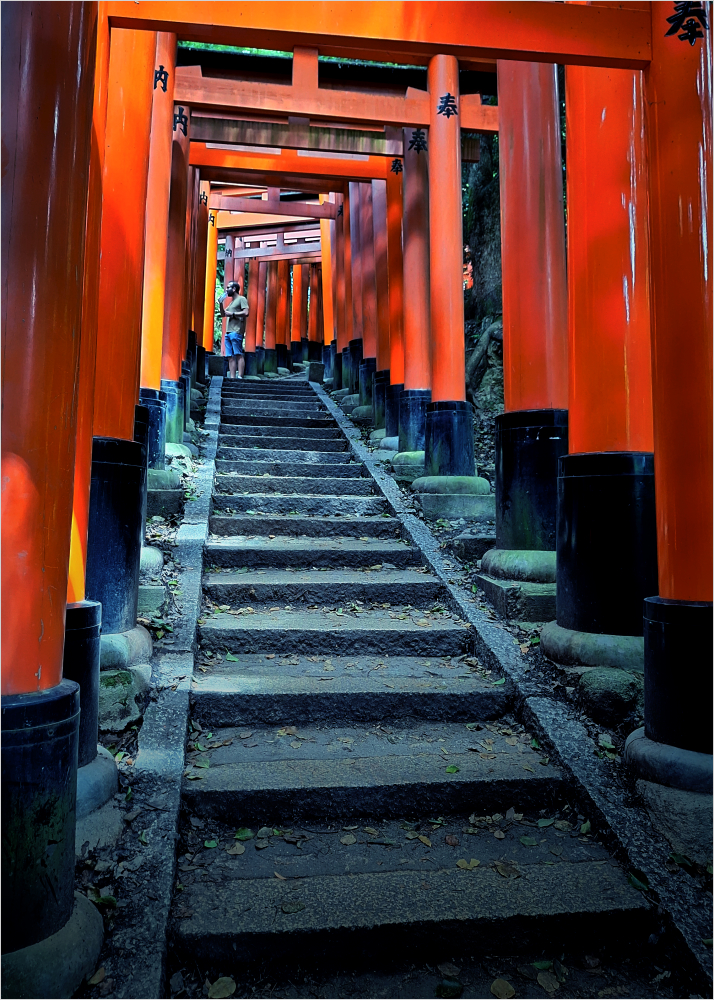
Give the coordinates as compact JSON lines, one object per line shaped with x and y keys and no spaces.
{"x":357,"y":783}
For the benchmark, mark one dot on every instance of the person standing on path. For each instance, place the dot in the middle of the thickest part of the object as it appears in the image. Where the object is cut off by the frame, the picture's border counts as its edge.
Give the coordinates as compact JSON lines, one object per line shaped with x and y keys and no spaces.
{"x":236,"y":311}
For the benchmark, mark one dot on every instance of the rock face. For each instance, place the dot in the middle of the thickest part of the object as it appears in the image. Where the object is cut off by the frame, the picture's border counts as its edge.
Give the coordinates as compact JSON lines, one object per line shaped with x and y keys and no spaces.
{"x":608,"y":695}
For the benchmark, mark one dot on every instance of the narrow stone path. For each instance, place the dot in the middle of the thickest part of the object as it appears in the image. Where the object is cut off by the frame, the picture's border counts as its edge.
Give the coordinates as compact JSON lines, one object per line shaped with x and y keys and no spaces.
{"x":357,"y":785}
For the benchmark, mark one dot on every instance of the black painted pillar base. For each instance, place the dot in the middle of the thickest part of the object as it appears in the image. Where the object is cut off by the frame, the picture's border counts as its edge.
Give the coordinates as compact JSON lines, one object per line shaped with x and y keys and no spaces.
{"x":328,"y":354}
{"x":260,"y":360}
{"x":251,"y":363}
{"x":528,"y":446}
{"x":155,"y":401}
{"x":314,"y":351}
{"x":270,"y":360}
{"x":83,"y":624}
{"x":678,"y":676}
{"x":346,"y":368}
{"x":295,"y":352}
{"x":281,"y":353}
{"x":201,"y":365}
{"x":40,"y":734}
{"x":141,"y":434}
{"x":449,"y":439}
{"x":606,"y":541}
{"x":185,"y":381}
{"x":380,"y":381}
{"x":174,"y":410}
{"x":355,"y":361}
{"x":412,"y":418}
{"x":305,"y":349}
{"x":367,"y":368}
{"x":393,"y":393}
{"x":114,"y":535}
{"x":191,"y":356}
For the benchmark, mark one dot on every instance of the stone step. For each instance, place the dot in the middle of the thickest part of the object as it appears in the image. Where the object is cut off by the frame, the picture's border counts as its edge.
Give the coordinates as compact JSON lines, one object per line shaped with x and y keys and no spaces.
{"x":326,"y":631}
{"x":256,"y":466}
{"x":241,"y":550}
{"x":323,"y":586}
{"x":298,"y":434}
{"x":359,"y":769}
{"x":242,"y":419}
{"x":228,"y":442}
{"x":303,"y":504}
{"x":235,"y":483}
{"x":297,"y":524}
{"x":264,"y":454}
{"x":257,"y":689}
{"x":357,"y":901}
{"x":266,"y":388}
{"x":300,"y":408}
{"x":267,"y":396}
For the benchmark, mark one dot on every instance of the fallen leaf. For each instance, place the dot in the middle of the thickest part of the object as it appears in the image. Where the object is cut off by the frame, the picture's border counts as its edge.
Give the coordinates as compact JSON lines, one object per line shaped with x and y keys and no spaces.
{"x":548,"y":981}
{"x":543,"y":965}
{"x":638,"y":879}
{"x":371,"y":831}
{"x":562,"y":824}
{"x":528,"y":841}
{"x":507,"y":871}
{"x":585,"y":828}
{"x":98,"y":977}
{"x":223,"y":987}
{"x":202,"y":763}
{"x":292,"y":907}
{"x":244,"y":834}
{"x":498,"y":683}
{"x":452,"y":769}
{"x":245,"y":734}
{"x":448,"y":970}
{"x":452,"y":841}
{"x":233,"y":659}
{"x":411,"y":835}
{"x":236,"y":849}
{"x":499,"y":834}
{"x":542,"y":823}
{"x":265,"y":831}
{"x":281,"y":877}
{"x":560,"y":971}
{"x":467,"y":865}
{"x":348,"y":839}
{"x":424,"y":840}
{"x":527,"y":767}
{"x":502,"y":989}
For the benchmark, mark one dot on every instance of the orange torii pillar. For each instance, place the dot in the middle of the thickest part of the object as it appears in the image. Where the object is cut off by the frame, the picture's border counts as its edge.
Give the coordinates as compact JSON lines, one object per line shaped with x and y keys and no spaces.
{"x":270,"y":360}
{"x":281,"y":314}
{"x":381,"y":273}
{"x":260,"y":316}
{"x":449,"y":440}
{"x":678,"y":622}
{"x":296,"y":313}
{"x":606,"y":490}
{"x":201,"y":303}
{"x":251,"y":365}
{"x":339,"y":300}
{"x":532,"y":433}
{"x":228,"y":266}
{"x":417,"y":311}
{"x":118,"y":460}
{"x":48,"y":63}
{"x":356,"y":343}
{"x":173,"y":381}
{"x":157,"y":217}
{"x":395,"y":264}
{"x":209,"y":308}
{"x":327,"y":227}
{"x":304,"y":338}
{"x":368,"y":365}
{"x":312,"y":324}
{"x":348,"y":326}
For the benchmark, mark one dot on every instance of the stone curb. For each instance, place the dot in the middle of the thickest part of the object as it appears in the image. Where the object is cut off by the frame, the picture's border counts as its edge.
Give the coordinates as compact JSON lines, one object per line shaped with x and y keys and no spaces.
{"x":157,"y":774}
{"x":639,"y":843}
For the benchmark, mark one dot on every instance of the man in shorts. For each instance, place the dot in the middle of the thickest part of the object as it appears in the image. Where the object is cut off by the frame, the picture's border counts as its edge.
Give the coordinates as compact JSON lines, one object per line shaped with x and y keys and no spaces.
{"x":236,"y":311}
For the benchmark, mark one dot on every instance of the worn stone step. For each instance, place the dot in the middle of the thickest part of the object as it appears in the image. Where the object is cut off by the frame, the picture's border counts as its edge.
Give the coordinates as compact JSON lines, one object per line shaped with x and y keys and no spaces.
{"x":241,"y":388}
{"x":257,"y":689}
{"x":243,"y":419}
{"x":297,"y":524}
{"x":300,"y":434}
{"x":326,"y":632}
{"x":269,"y":396}
{"x":232,"y":914}
{"x":322,"y":586}
{"x":241,"y":550}
{"x":359,"y":769}
{"x":299,"y":408}
{"x":235,"y":483}
{"x":229,"y":442}
{"x":302,"y":504}
{"x":258,"y":454}
{"x":255,"y":466}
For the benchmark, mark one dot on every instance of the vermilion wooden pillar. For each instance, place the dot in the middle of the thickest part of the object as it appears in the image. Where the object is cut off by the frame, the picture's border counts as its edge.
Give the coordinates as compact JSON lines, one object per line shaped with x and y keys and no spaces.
{"x":175,"y":313}
{"x":678,"y":623}
{"x":271,"y":304}
{"x":281,"y":317}
{"x":48,"y":62}
{"x":199,"y":293}
{"x":533,"y":432}
{"x":228,"y":265}
{"x":356,"y":341}
{"x":368,"y":365}
{"x":449,"y":426}
{"x":90,"y":319}
{"x":260,"y":316}
{"x":327,"y":254}
{"x":417,"y":309}
{"x":312,"y":314}
{"x":131,"y":71}
{"x":395,"y":265}
{"x":381,"y":274}
{"x":339,"y":304}
{"x":210,"y":288}
{"x":251,"y":367}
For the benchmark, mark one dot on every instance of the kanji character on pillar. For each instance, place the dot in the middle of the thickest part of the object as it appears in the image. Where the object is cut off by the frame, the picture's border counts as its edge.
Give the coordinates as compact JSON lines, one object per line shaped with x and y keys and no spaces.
{"x":181,"y":121}
{"x":418,"y":141}
{"x":687,"y":19}
{"x":161,"y":76}
{"x":447,"y":106}
{"x":396,"y":166}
